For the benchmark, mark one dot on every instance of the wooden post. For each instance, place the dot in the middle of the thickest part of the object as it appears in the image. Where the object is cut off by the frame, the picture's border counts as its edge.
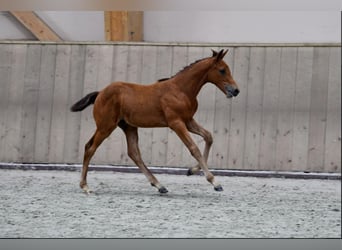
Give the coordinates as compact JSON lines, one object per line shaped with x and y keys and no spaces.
{"x":36,"y":26}
{"x":124,"y":25}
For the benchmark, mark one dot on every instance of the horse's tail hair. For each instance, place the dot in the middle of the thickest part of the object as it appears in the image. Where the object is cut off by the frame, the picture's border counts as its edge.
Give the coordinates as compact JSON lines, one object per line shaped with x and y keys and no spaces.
{"x":84,"y":102}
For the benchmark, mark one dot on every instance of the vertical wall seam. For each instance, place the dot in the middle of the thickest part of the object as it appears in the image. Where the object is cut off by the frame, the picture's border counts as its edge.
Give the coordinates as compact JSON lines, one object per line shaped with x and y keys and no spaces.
{"x":326,"y":112}
{"x":262,"y":109}
{"x":230,"y":110}
{"x":294,"y":107}
{"x":278,"y":108}
{"x":246,"y":109}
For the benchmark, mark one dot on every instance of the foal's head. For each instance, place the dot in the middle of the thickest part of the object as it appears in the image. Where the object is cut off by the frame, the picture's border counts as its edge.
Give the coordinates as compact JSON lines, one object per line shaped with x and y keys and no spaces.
{"x":220,"y":75}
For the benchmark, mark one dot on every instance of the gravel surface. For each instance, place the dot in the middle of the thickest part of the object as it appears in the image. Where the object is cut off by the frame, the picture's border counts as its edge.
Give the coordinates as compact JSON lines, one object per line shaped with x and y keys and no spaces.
{"x":50,"y":204}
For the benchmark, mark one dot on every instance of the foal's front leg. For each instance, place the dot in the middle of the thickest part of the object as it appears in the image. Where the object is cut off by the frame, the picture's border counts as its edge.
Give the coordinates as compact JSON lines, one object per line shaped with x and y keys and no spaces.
{"x":181,"y":130}
{"x":195,"y":128}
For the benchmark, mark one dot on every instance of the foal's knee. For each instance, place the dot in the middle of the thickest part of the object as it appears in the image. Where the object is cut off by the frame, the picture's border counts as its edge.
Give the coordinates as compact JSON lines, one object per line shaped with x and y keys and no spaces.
{"x":208,"y":138}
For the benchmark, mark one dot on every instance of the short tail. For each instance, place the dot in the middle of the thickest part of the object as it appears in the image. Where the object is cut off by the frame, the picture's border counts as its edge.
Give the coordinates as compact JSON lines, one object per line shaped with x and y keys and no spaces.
{"x":84,"y":102}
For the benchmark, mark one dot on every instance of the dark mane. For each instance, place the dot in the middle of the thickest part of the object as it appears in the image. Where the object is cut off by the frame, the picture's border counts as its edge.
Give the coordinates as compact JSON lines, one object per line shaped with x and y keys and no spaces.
{"x":164,"y":79}
{"x":182,"y":70}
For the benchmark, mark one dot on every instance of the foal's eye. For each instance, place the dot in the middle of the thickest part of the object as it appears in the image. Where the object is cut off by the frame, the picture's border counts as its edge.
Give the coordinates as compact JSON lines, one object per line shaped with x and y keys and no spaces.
{"x":222,"y":71}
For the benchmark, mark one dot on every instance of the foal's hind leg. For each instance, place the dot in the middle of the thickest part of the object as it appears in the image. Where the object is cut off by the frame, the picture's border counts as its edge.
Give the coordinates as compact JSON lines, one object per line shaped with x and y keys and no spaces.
{"x":89,"y":151}
{"x":134,"y":153}
{"x":195,"y":128}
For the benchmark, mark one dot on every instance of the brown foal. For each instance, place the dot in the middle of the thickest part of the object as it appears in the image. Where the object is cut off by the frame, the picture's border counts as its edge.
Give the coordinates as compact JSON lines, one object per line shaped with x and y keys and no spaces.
{"x":169,"y":102}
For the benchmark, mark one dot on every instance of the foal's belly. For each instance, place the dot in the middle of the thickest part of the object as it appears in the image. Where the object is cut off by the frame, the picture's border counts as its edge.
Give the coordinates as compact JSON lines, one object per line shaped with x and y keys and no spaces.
{"x":140,"y":105}
{"x":142,"y":116}
{"x":144,"y":120}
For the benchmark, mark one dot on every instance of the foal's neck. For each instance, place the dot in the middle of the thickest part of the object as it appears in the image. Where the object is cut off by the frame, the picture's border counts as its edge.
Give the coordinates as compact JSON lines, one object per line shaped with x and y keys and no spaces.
{"x":192,"y":79}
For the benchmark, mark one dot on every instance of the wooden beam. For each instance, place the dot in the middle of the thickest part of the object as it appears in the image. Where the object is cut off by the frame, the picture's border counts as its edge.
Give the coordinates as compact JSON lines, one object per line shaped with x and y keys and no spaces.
{"x":36,"y":26}
{"x":108,"y":25}
{"x":124,"y":25}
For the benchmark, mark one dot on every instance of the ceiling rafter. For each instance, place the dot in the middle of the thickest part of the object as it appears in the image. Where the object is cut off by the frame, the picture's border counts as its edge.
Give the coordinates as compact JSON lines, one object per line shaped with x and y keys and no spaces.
{"x":36,"y":26}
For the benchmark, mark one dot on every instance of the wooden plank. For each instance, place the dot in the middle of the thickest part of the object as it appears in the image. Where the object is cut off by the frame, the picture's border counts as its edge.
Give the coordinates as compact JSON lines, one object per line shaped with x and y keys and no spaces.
{"x":6,"y":54}
{"x":134,"y":64}
{"x":75,"y":93}
{"x":36,"y":26}
{"x":175,"y":147}
{"x":118,"y":26}
{"x":135,"y":25}
{"x":286,"y":108}
{"x":149,"y":65}
{"x":45,"y":97}
{"x":238,"y":113}
{"x":105,"y":61}
{"x":31,"y":90}
{"x":332,"y":157}
{"x":60,"y":104}
{"x":160,"y":135}
{"x":255,"y":87}
{"x":12,"y":152}
{"x":124,"y":25}
{"x":302,"y":109}
{"x":222,"y":116}
{"x":108,"y":25}
{"x":270,"y":109}
{"x":319,"y":95}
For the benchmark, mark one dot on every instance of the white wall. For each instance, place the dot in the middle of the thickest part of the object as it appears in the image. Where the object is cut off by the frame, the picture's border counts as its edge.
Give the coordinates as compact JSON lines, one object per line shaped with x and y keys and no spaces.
{"x":70,"y":25}
{"x":11,"y":29}
{"x":76,"y":25}
{"x":243,"y":27}
{"x":195,"y":26}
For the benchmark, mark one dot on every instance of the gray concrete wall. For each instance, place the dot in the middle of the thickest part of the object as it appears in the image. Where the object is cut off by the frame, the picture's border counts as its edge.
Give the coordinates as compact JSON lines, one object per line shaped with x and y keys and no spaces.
{"x":287,"y":116}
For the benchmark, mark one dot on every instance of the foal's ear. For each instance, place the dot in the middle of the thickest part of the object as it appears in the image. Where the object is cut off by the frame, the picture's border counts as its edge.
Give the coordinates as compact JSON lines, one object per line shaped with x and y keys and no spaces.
{"x":219,"y":55}
{"x":224,"y":53}
{"x":214,"y":52}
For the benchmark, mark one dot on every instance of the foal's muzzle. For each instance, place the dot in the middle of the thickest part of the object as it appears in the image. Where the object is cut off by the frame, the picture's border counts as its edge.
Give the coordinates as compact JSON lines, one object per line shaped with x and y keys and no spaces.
{"x":231,"y":91}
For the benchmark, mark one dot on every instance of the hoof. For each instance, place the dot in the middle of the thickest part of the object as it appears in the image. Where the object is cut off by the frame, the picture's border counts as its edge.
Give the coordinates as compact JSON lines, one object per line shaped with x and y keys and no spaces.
{"x":162,"y":190}
{"x":87,"y":191}
{"x":189,"y":172}
{"x":85,"y":188}
{"x":218,"y":188}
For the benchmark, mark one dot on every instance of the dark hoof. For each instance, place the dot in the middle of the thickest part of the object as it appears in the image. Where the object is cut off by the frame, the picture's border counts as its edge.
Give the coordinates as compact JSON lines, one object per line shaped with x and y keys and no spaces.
{"x":189,"y":172}
{"x":218,"y":188}
{"x":162,"y":190}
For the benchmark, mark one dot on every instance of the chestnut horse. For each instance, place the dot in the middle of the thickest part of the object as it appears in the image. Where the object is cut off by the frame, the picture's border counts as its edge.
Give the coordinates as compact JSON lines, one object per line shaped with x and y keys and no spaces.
{"x":167,"y":103}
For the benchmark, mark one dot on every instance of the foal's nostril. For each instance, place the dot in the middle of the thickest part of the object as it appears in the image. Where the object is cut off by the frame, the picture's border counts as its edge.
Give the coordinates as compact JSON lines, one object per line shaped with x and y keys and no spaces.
{"x":231,"y":91}
{"x":236,"y":92}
